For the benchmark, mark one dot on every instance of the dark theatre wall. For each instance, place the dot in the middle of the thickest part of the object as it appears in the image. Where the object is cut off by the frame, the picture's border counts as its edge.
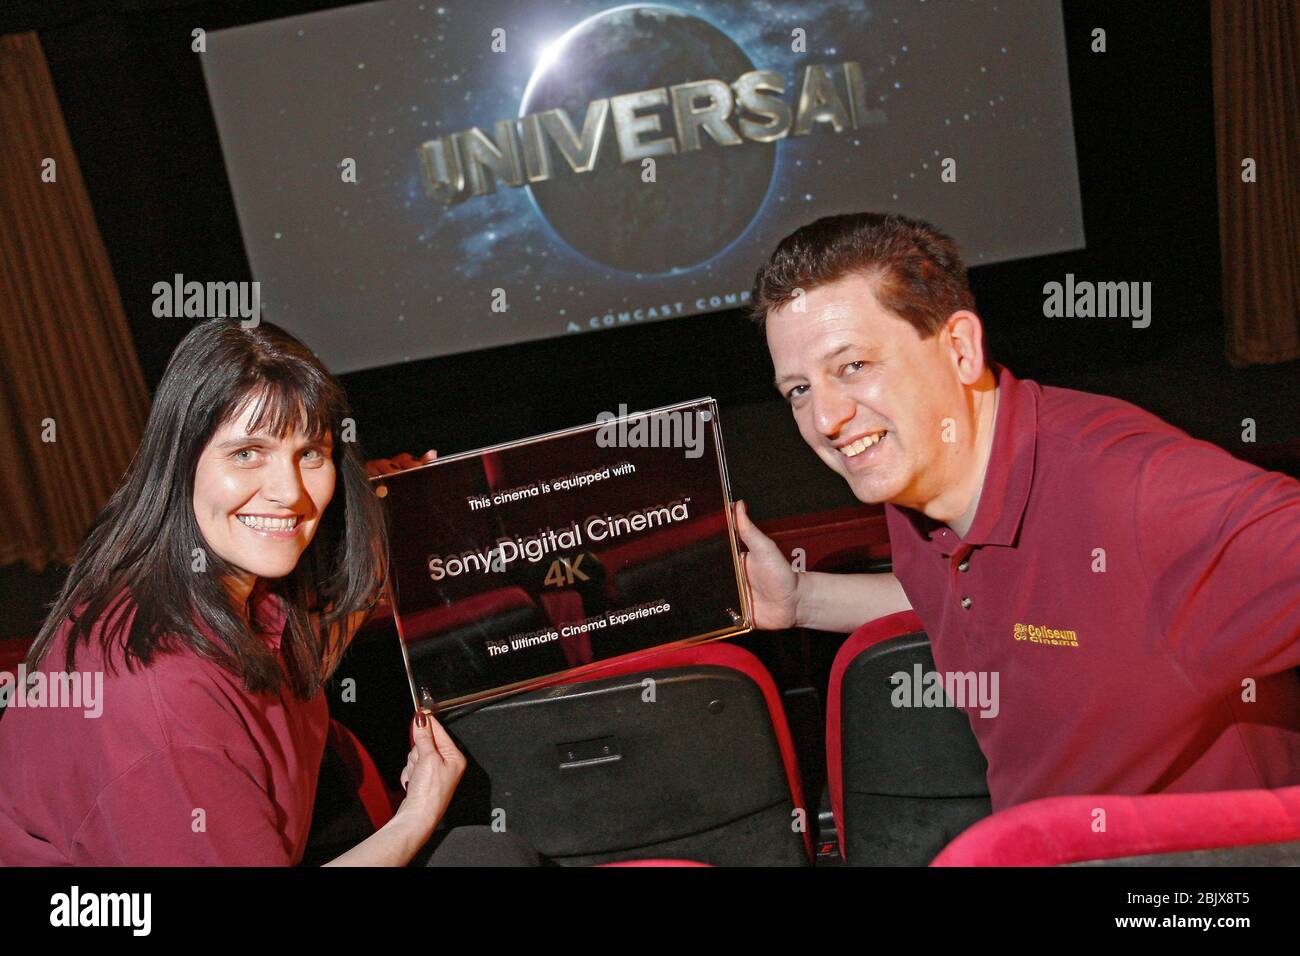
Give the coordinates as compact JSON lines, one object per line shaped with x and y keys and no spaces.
{"x":136,"y":106}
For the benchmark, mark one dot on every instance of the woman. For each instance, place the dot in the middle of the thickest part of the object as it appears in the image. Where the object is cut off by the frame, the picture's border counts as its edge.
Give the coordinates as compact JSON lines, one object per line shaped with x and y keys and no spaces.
{"x":213,"y":599}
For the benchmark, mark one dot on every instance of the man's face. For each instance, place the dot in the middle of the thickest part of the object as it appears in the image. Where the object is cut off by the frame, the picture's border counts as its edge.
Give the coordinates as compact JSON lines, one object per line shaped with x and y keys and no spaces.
{"x":869,"y":395}
{"x":259,"y":499}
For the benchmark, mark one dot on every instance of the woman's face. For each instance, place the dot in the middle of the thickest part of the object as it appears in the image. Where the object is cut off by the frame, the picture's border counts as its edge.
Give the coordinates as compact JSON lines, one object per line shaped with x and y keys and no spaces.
{"x":258,"y":499}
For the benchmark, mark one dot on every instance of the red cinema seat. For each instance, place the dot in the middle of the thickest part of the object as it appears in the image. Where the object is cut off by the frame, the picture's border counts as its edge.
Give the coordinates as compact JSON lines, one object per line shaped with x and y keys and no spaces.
{"x":1225,"y":828}
{"x":363,"y":775}
{"x":684,"y":754}
{"x":903,"y":780}
{"x":352,"y":801}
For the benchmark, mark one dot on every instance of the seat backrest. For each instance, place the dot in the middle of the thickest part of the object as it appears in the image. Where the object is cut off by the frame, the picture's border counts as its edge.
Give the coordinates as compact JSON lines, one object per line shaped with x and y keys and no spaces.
{"x":1235,"y":827}
{"x":681,"y":754}
{"x":904,"y":780}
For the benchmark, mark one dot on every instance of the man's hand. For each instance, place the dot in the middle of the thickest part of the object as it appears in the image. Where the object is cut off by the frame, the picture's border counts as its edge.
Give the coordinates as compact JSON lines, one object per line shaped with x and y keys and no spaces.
{"x":773,"y":583}
{"x":840,"y":603}
{"x":390,"y":466}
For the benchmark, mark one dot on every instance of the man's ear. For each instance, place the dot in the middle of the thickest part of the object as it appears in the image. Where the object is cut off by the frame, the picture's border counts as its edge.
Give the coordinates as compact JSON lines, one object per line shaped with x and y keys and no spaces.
{"x":963,"y":335}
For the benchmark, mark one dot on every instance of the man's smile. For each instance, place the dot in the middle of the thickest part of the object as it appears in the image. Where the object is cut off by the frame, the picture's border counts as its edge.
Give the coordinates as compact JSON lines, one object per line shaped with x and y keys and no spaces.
{"x":856,"y":447}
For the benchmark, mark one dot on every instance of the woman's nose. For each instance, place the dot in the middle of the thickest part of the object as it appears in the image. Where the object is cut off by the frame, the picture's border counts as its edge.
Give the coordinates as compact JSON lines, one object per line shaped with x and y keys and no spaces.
{"x":283,"y":485}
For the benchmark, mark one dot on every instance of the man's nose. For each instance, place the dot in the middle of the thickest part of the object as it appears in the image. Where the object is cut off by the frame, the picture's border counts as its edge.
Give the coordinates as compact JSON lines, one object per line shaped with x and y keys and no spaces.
{"x":832,"y":408}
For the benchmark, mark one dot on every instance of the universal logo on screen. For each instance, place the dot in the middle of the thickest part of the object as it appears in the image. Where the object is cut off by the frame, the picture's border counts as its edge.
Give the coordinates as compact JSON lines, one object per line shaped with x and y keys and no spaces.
{"x":721,"y":95}
{"x":627,"y":98}
{"x":467,"y":163}
{"x":679,"y":429}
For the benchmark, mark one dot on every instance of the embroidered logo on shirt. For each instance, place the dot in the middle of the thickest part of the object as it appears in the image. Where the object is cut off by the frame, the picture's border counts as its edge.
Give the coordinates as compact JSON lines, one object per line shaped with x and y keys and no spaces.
{"x":1037,"y":634}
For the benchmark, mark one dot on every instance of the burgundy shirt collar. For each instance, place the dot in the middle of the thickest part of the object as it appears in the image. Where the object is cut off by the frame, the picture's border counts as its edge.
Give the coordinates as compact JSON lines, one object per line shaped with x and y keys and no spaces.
{"x":1007,"y":478}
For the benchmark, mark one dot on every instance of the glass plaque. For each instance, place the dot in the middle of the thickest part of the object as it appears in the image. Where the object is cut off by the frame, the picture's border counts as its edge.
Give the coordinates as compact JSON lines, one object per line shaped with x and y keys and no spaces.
{"x":554,"y":556}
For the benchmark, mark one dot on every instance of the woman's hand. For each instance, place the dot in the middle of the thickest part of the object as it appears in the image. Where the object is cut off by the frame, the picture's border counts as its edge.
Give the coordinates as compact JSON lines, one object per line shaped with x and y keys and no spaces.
{"x":773,"y":583}
{"x":390,"y":466}
{"x":432,"y":771}
{"x":433,"y":768}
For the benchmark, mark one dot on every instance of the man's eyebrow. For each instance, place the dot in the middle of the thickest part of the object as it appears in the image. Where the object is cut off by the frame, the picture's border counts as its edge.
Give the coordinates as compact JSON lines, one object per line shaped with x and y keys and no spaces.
{"x":871,"y":350}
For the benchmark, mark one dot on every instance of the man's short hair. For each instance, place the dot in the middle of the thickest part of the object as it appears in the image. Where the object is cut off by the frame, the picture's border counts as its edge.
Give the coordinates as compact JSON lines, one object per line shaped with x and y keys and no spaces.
{"x":918,"y":273}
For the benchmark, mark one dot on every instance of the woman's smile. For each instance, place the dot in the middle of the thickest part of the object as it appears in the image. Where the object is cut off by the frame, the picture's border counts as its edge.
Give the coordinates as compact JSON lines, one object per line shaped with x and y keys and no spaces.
{"x":272,"y":526}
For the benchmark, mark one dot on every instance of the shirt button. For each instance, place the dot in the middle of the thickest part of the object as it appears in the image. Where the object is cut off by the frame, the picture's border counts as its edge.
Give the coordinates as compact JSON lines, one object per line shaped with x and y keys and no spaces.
{"x":964,"y":566}
{"x":965,"y":602}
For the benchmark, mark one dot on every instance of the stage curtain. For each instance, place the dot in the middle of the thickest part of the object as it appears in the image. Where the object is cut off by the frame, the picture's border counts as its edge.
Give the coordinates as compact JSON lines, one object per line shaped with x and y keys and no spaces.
{"x":70,"y":372}
{"x":1256,"y":55}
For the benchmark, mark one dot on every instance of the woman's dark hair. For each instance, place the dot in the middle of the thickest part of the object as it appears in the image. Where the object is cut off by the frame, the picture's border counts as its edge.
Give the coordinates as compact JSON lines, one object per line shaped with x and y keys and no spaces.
{"x":146,"y":547}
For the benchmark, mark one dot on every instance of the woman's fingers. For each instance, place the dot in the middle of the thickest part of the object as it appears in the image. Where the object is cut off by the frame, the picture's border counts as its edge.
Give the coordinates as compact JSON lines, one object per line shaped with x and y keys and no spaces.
{"x":422,"y":736}
{"x":433,"y":740}
{"x":433,"y":769}
{"x":434,"y":756}
{"x":411,"y":759}
{"x":445,"y":746}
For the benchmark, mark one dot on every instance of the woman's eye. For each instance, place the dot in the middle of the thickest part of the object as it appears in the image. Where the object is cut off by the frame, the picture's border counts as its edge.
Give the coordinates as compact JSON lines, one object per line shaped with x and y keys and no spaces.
{"x":245,"y":456}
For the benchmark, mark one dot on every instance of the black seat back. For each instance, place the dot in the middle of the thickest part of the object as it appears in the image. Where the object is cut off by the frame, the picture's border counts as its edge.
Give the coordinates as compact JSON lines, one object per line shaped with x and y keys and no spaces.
{"x":913,"y":777}
{"x":595,"y":772}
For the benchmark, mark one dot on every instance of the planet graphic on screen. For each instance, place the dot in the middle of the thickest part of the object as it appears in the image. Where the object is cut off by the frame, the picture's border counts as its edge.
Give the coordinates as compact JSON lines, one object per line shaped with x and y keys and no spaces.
{"x":700,"y":201}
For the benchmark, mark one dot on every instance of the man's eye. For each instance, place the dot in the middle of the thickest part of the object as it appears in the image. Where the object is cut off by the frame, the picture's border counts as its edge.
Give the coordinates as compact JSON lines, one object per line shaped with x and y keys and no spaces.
{"x":795,"y":392}
{"x":853,"y":366}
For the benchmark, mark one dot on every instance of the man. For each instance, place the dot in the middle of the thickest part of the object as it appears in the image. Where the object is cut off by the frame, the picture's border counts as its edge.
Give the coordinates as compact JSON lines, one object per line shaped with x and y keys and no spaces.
{"x":1137,"y":591}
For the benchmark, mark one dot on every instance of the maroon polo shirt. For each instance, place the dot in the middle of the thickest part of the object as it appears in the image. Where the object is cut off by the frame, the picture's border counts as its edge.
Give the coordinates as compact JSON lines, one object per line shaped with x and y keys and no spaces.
{"x":179,"y":736}
{"x":1170,"y":670}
